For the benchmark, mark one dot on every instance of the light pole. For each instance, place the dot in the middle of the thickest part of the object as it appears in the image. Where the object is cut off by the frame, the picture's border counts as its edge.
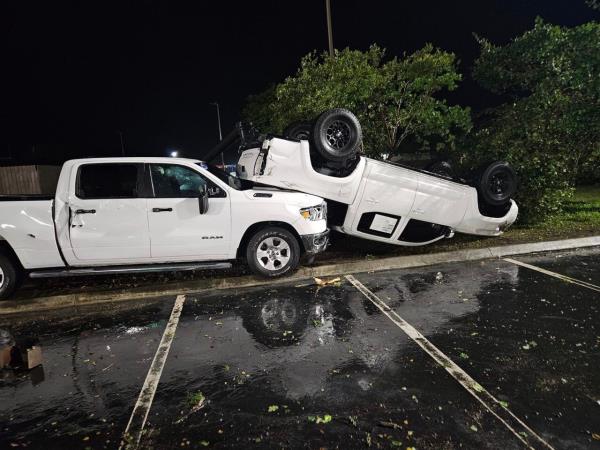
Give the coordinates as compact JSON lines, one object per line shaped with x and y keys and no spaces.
{"x":329,"y":30}
{"x":122,"y":144}
{"x":220,"y":132}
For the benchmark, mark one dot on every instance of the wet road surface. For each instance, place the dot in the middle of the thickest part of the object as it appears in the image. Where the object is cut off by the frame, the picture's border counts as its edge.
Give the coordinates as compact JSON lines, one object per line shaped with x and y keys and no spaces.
{"x":303,"y":366}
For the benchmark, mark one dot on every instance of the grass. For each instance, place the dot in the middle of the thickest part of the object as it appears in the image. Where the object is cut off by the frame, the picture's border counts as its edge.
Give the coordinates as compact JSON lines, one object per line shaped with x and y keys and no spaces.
{"x":582,"y":213}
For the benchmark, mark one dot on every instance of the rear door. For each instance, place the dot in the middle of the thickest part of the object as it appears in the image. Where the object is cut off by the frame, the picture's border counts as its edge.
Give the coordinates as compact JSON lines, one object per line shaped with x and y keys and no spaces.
{"x":386,"y":200}
{"x":108,"y":221}
{"x":178,"y":232}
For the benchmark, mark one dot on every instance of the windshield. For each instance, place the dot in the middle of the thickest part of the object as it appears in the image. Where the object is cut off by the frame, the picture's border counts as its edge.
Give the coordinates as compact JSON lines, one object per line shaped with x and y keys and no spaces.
{"x":231,"y":180}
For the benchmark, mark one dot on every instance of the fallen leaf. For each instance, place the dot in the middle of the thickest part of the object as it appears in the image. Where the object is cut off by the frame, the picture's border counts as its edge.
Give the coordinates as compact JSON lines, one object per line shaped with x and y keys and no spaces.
{"x":325,"y":419}
{"x":273,"y":408}
{"x":321,"y":282}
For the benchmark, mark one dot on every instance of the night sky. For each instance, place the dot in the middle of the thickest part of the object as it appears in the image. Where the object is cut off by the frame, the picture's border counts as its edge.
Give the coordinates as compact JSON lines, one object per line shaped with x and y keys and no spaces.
{"x":77,"y":73}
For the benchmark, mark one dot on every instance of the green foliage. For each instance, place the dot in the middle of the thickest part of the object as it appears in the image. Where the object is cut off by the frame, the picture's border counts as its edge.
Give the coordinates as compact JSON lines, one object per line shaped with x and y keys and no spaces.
{"x":395,"y":99}
{"x":594,"y":4}
{"x":549,"y":128}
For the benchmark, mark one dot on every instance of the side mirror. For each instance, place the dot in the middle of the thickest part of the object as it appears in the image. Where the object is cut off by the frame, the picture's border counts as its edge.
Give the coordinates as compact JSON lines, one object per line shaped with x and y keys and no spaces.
{"x":203,"y":201}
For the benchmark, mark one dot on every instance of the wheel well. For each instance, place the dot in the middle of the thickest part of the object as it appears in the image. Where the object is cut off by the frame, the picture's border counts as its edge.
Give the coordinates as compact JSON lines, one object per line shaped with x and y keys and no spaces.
{"x":6,"y":249}
{"x":260,"y":225}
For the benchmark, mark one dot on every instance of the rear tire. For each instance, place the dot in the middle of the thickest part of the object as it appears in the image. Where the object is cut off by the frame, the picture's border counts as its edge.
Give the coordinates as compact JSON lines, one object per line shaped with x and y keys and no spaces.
{"x":442,"y":168}
{"x":497,"y":184}
{"x":337,"y":135}
{"x":273,"y":252}
{"x":9,"y":276}
{"x":298,"y":130}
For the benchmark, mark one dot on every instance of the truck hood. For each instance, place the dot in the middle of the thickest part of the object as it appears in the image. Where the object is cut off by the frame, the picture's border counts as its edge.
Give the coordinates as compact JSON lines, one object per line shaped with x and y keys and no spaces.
{"x":284,"y":196}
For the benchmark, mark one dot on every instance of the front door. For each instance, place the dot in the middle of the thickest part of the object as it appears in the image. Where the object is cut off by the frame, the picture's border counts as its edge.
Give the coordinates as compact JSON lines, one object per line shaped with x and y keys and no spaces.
{"x":108,"y":221}
{"x":178,"y":232}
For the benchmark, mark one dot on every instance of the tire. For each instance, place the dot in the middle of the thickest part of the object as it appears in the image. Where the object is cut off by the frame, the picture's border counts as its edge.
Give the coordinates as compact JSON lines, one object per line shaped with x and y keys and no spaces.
{"x":442,"y":168}
{"x":497,"y":184}
{"x":273,"y":252}
{"x":9,"y":277}
{"x":298,"y":130}
{"x":337,"y":135}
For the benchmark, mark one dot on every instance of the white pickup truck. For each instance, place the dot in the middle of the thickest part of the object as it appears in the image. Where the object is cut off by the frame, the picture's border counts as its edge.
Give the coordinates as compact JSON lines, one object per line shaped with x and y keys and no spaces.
{"x":120,"y":215}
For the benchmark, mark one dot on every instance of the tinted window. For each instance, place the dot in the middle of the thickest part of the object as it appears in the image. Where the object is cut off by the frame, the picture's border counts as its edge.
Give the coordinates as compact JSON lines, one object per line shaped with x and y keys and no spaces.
{"x":107,"y":181}
{"x":174,"y":181}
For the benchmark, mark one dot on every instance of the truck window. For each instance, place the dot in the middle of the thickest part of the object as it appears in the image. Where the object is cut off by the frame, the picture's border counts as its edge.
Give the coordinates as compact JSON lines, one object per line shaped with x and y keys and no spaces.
{"x":100,"y":181}
{"x":175,"y":181}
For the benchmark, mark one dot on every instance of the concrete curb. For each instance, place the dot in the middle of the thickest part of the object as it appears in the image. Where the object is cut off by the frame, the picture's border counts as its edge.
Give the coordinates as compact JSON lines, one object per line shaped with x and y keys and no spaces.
{"x":198,"y":286}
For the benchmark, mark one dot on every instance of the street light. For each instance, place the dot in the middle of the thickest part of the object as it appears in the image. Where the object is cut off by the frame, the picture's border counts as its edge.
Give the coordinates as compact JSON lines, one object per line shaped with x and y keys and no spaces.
{"x":220,"y":132}
{"x":174,"y":154}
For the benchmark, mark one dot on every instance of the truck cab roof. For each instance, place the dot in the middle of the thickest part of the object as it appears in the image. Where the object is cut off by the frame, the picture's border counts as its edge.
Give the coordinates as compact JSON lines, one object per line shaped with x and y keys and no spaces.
{"x":135,"y":159}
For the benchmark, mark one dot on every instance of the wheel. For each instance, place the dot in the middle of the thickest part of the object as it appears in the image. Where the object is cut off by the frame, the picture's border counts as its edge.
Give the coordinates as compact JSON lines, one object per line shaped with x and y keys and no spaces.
{"x":9,"y":277}
{"x":497,"y":184}
{"x":443,"y":168}
{"x":337,"y":135}
{"x":298,"y":130}
{"x":273,"y":252}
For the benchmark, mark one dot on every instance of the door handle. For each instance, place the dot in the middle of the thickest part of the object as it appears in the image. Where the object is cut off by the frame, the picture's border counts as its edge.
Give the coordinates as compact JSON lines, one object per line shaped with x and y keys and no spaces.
{"x":85,"y":211}
{"x":162,"y":209}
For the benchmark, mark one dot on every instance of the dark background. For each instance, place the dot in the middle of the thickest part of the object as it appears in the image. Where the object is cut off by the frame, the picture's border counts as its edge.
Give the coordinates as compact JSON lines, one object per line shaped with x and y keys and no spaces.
{"x":76,"y":73}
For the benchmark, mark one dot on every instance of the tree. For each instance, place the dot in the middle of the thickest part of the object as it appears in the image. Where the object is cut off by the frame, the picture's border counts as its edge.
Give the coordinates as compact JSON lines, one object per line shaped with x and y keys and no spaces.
{"x":395,"y":99}
{"x":549,"y":126}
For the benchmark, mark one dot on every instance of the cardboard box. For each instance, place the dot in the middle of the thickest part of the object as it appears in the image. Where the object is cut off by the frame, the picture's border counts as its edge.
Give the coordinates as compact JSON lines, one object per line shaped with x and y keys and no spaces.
{"x":5,"y":351}
{"x":32,"y":357}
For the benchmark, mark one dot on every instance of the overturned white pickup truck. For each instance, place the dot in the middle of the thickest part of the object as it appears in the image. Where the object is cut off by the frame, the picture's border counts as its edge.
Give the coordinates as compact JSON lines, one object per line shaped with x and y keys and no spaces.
{"x":379,"y":200}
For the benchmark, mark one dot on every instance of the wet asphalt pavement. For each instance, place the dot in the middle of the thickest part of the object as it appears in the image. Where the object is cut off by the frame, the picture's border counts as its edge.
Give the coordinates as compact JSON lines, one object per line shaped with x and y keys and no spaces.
{"x":303,"y":366}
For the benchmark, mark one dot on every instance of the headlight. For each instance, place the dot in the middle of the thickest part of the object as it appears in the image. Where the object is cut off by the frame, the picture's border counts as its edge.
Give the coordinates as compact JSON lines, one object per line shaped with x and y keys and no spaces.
{"x":315,"y":212}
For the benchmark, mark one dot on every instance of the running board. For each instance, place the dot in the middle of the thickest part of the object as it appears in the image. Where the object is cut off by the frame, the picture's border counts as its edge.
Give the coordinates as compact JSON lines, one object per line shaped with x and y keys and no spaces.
{"x":86,"y":271}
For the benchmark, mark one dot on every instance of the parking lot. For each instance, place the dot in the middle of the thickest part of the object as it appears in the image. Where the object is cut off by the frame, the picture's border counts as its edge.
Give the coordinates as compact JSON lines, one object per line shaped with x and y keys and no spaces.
{"x":488,"y":354}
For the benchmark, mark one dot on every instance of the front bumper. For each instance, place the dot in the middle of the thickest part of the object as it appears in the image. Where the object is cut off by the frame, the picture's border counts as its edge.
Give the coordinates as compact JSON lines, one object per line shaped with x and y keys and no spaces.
{"x":476,"y":223}
{"x":315,"y":243}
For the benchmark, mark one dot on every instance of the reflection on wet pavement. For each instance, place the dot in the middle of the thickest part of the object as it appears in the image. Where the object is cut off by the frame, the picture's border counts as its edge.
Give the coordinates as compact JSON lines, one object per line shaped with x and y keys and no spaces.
{"x":308,"y":367}
{"x":533,"y":342}
{"x":92,"y":372}
{"x":301,"y":367}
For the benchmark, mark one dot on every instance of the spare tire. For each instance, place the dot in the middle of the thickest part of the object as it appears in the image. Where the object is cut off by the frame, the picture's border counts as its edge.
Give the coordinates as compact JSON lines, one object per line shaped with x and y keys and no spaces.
{"x":497,"y":184}
{"x":298,"y":130}
{"x":442,"y":168}
{"x":337,"y":135}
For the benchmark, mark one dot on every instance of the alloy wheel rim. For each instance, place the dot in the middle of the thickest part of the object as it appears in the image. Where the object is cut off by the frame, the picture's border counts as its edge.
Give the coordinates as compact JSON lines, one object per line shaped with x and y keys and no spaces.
{"x":1,"y":278}
{"x":498,"y":185}
{"x":338,"y":134}
{"x":273,"y":253}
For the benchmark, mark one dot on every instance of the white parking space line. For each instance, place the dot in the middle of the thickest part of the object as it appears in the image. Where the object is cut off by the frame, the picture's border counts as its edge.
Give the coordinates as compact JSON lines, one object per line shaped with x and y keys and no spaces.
{"x":501,"y":412}
{"x":585,"y":284}
{"x":137,"y":421}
